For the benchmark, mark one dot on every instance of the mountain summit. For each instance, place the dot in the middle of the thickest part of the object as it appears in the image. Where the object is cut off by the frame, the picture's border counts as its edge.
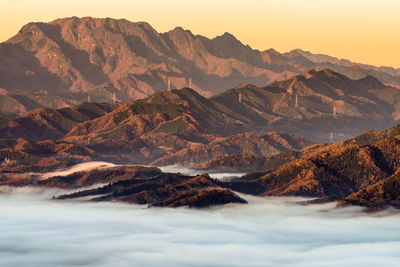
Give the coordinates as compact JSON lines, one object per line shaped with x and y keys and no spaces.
{"x":132,"y":59}
{"x":108,"y":58}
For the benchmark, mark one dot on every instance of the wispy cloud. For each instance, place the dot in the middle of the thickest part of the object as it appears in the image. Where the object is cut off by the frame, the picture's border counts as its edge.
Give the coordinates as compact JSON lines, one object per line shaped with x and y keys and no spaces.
{"x":86,"y":166}
{"x":267,"y":232}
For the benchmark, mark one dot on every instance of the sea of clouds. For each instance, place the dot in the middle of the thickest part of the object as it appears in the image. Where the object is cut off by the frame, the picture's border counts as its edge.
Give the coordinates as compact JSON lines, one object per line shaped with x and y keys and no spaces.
{"x":91,"y":165}
{"x":216,"y":174}
{"x":38,"y":231}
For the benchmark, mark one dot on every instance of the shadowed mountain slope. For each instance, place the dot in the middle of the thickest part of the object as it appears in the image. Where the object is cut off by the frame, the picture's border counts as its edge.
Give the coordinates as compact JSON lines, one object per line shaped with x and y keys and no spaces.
{"x":41,"y":124}
{"x":377,"y":196}
{"x":336,"y":170}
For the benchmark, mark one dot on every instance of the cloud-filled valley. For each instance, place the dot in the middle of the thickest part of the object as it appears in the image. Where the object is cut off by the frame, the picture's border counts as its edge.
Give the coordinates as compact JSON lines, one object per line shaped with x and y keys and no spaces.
{"x":124,"y":146}
{"x":37,"y":231}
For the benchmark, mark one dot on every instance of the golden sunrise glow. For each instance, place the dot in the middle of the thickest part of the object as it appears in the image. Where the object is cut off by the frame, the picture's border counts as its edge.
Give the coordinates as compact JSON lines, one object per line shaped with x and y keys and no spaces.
{"x":363,"y":31}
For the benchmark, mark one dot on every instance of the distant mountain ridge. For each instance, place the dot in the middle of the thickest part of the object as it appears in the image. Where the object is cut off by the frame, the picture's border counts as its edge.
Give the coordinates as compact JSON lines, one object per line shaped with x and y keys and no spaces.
{"x":316,"y":103}
{"x":142,"y":131}
{"x":184,"y":127}
{"x":100,"y":57}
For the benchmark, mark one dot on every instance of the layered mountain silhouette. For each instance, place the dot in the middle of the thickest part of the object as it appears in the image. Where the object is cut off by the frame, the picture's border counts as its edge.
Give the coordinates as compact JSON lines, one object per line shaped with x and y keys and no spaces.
{"x":318,"y":102}
{"x":250,"y":142}
{"x":43,"y":123}
{"x":61,"y":63}
{"x":18,"y":102}
{"x":184,"y":127}
{"x":362,"y":171}
{"x":85,"y":89}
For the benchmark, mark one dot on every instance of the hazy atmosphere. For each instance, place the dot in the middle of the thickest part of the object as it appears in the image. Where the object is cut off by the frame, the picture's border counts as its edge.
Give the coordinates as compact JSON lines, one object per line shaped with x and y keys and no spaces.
{"x":200,"y":133}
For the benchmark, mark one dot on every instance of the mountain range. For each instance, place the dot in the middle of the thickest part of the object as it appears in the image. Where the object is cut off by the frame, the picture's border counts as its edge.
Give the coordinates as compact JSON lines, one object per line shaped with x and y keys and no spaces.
{"x":67,"y":61}
{"x":354,"y":170}
{"x":363,"y":170}
{"x":183,"y":127}
{"x":85,"y":89}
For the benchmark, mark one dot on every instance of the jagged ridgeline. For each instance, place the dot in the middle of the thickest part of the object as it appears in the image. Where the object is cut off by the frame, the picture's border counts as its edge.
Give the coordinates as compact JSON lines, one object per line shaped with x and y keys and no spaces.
{"x":71,"y":60}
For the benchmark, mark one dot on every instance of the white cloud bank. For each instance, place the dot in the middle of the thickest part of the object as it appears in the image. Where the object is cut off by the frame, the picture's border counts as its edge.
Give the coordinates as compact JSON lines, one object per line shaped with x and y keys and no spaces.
{"x":267,"y":232}
{"x":86,"y":166}
{"x":217,"y":174}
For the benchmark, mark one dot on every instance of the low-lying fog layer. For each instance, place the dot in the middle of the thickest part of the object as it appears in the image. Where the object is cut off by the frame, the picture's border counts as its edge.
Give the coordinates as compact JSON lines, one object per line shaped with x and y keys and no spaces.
{"x":87,"y":166}
{"x":36,"y":231}
{"x":213,"y":174}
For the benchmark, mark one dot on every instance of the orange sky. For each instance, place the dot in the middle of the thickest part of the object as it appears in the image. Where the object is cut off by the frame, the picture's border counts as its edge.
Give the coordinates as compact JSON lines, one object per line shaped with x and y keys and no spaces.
{"x":365,"y":31}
